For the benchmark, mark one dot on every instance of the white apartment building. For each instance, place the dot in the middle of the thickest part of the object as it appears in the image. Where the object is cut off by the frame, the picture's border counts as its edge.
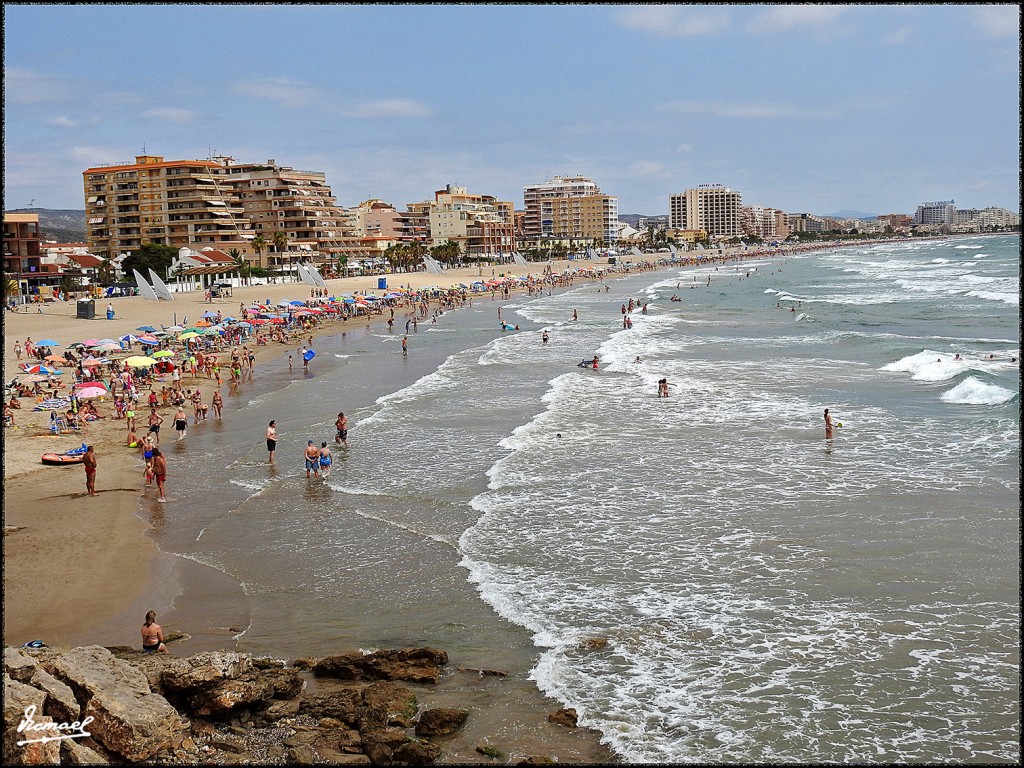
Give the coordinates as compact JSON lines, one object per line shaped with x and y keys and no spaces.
{"x":711,"y":207}
{"x":942,"y":212}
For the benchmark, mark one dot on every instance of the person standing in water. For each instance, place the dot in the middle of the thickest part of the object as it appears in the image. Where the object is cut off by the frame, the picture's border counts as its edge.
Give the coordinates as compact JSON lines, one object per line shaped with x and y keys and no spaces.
{"x":828,"y":425}
{"x":271,"y":440}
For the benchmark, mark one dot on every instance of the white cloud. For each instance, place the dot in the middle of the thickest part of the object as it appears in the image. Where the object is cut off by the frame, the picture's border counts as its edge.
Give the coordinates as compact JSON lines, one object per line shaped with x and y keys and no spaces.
{"x":996,"y":20}
{"x":898,"y":36}
{"x":740,"y":110}
{"x":171,"y":115}
{"x":673,"y":21}
{"x":25,"y":86}
{"x":290,"y":94}
{"x":89,"y":156}
{"x":385,"y":108}
{"x":783,"y":17}
{"x":646,"y":168}
{"x":62,"y":122}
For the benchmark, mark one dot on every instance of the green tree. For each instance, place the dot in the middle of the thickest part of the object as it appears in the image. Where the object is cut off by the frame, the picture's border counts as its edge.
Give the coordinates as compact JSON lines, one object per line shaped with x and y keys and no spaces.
{"x":239,"y":259}
{"x":105,"y":272}
{"x":259,"y":244}
{"x":150,"y":256}
{"x":280,"y":240}
{"x":343,"y":264}
{"x":449,"y":252}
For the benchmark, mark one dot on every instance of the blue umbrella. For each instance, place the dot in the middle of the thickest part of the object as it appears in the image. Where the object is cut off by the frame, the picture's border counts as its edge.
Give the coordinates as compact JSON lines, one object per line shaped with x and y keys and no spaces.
{"x":47,"y":343}
{"x":209,"y":314}
{"x":146,"y":328}
{"x":148,"y":342}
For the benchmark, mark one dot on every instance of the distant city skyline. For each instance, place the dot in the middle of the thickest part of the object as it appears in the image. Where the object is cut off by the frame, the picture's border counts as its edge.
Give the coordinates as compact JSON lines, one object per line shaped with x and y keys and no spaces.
{"x":814,"y":108}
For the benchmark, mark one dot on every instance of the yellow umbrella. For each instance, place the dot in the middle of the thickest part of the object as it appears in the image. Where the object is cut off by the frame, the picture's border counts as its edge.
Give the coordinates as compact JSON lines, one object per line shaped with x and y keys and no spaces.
{"x":140,"y":361}
{"x":164,"y":353}
{"x":189,"y":335}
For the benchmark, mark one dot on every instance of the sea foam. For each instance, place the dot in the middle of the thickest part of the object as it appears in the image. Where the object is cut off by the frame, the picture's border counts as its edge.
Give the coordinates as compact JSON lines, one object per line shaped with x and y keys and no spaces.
{"x":972,"y":391}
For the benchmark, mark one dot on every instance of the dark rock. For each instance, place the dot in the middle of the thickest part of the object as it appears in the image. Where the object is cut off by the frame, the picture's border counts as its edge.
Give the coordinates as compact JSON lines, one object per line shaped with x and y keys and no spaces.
{"x":380,"y":745}
{"x":343,"y":705}
{"x":484,"y":672}
{"x":61,"y":703}
{"x":397,"y":702}
{"x":301,"y":755}
{"x":536,"y":760}
{"x":415,"y":665}
{"x":287,"y":683}
{"x":281,"y":709}
{"x":74,"y":752}
{"x":417,"y":753}
{"x":566,"y":717}
{"x":349,"y":740}
{"x":227,"y":743}
{"x":441,"y":721}
{"x":228,"y":696}
{"x":490,"y":751}
{"x":204,"y":670}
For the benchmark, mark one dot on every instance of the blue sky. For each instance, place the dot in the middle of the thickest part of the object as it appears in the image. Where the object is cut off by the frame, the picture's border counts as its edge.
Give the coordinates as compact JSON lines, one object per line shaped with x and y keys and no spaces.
{"x":813,"y":108}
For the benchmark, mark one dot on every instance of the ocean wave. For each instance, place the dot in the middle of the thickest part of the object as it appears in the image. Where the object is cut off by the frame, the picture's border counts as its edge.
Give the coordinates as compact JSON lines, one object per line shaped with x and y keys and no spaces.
{"x":1006,"y":298}
{"x":928,"y":365}
{"x":972,"y":391}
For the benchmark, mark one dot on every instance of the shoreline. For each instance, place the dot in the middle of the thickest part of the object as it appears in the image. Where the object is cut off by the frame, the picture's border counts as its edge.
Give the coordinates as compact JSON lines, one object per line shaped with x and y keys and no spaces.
{"x":113,"y":576}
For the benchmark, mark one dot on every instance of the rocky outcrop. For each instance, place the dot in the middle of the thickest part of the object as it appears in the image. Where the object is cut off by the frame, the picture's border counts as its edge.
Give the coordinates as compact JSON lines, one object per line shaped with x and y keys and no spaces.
{"x":566,"y":717}
{"x":413,"y":665}
{"x":222,"y":707}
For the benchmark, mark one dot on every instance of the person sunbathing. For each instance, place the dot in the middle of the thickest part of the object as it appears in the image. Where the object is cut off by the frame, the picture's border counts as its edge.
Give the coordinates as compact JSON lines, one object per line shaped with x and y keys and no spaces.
{"x":14,"y":402}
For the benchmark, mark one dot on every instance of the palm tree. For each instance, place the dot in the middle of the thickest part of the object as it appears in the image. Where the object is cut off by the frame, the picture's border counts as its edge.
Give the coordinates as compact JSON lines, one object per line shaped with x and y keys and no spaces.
{"x":343,"y":264}
{"x":259,"y":244}
{"x":236,"y":256}
{"x":280,"y":240}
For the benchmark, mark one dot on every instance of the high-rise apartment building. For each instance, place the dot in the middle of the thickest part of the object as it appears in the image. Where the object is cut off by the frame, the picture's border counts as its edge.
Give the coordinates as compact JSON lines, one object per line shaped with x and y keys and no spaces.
{"x":569,"y":208}
{"x":276,"y":198}
{"x":711,"y":207}
{"x":177,"y":202}
{"x":942,"y":212}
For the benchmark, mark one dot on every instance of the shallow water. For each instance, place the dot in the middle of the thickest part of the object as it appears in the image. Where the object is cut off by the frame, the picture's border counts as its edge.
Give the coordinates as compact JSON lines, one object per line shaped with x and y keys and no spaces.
{"x":760,"y":593}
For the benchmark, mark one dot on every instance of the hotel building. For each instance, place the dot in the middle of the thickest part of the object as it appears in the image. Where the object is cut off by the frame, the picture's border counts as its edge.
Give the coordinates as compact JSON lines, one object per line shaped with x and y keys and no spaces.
{"x":711,"y":207}
{"x":482,"y":225}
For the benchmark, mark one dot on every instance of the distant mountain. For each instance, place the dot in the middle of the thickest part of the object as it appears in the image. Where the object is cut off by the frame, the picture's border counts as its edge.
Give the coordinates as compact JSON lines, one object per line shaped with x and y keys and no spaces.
{"x":63,"y":226}
{"x":851,"y":215}
{"x":633,"y":218}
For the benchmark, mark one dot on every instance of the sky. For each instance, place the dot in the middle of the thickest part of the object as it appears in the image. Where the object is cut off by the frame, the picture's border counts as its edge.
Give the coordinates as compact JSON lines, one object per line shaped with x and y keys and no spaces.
{"x":807,"y":108}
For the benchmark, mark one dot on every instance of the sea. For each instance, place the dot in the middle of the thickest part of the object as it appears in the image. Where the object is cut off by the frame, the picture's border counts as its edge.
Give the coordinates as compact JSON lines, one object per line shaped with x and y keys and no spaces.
{"x":705,"y":577}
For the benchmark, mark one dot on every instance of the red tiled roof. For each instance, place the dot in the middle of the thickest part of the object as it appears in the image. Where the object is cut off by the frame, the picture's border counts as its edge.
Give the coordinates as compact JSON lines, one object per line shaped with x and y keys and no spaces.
{"x":86,"y":260}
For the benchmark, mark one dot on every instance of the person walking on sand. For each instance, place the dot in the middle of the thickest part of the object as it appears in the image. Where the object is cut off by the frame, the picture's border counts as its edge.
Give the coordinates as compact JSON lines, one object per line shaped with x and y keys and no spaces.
{"x":160,"y":473}
{"x":271,"y":440}
{"x":828,"y":425}
{"x":312,"y":456}
{"x":341,"y":425}
{"x":155,"y":420}
{"x":218,"y":404}
{"x":152,"y":635}
{"x":89,"y":462}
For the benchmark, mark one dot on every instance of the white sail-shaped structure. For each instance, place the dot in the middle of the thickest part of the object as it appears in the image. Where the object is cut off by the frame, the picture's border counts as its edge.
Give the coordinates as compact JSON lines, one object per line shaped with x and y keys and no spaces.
{"x":145,"y":289}
{"x":432,"y":266}
{"x":315,"y":274}
{"x":519,"y":259}
{"x":159,"y":287}
{"x":636,"y":251}
{"x":672,"y":248}
{"x":304,"y":274}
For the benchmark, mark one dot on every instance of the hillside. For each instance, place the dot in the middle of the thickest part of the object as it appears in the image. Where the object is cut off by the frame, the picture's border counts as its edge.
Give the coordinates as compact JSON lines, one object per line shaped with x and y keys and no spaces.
{"x":62,"y":226}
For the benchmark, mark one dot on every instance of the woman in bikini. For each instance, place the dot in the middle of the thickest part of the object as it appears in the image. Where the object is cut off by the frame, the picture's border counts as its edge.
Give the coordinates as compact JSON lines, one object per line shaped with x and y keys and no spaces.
{"x":152,"y":635}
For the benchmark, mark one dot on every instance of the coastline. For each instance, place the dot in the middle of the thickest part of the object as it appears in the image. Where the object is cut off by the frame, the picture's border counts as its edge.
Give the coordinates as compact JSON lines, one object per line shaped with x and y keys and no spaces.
{"x":107,"y":574}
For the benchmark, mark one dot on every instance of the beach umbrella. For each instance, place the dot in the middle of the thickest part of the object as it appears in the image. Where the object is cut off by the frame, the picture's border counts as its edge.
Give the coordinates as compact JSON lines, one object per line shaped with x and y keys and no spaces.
{"x":163,"y":353}
{"x":296,"y":302}
{"x":92,"y":389}
{"x":47,"y":343}
{"x":140,"y":361}
{"x":174,"y":328}
{"x":227,"y":319}
{"x":89,"y":342}
{"x":42,"y":369}
{"x":148,"y":340}
{"x":54,"y":358}
{"x":244,"y":324}
{"x":146,"y":328}
{"x":209,"y":314}
{"x":89,"y":362}
{"x":187,"y":335}
{"x":111,"y":346}
{"x":128,"y":337}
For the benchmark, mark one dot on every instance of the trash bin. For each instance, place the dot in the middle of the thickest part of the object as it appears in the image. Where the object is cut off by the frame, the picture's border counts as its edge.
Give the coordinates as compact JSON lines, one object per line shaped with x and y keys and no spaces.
{"x":382,"y":283}
{"x":86,"y":309}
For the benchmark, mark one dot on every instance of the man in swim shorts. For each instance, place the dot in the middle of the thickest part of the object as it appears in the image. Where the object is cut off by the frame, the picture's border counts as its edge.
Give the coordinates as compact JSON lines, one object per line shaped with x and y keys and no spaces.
{"x":342,"y":426}
{"x":155,"y":420}
{"x":89,"y":461}
{"x":312,"y":459}
{"x":271,"y":440}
